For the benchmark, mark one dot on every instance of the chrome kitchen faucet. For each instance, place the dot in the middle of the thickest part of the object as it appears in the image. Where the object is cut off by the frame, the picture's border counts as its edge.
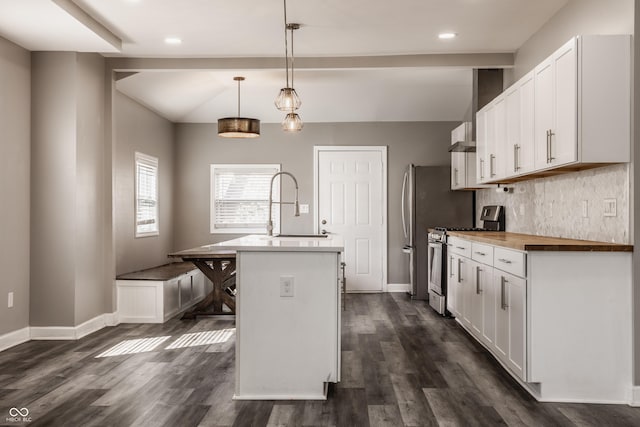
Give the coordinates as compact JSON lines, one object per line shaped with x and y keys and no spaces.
{"x":271,"y":202}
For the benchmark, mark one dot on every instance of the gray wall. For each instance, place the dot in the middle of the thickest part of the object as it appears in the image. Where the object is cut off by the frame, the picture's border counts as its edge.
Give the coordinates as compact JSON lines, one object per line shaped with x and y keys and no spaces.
{"x":140,"y":129}
{"x":91,"y":188}
{"x":68,"y":189}
{"x":15,"y":89}
{"x":53,"y":182}
{"x":575,"y":18}
{"x":198,"y":146}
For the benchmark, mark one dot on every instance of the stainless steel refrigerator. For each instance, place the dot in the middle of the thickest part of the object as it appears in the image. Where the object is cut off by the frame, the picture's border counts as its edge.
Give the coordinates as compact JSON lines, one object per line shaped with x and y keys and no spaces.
{"x":428,"y":202}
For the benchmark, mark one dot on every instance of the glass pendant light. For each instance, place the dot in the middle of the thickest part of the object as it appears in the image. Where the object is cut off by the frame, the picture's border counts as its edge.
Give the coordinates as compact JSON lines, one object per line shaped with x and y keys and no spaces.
{"x":292,"y":123}
{"x":288,"y":99}
{"x":238,"y":127}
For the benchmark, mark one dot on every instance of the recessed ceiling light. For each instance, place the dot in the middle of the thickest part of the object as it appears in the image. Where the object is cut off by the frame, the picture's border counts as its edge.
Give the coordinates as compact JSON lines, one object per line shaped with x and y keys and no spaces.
{"x":173,"y":40}
{"x":447,"y":36}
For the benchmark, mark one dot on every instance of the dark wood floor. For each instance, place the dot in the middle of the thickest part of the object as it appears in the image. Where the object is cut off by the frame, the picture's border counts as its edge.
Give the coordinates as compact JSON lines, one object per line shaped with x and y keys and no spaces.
{"x":401,"y":365}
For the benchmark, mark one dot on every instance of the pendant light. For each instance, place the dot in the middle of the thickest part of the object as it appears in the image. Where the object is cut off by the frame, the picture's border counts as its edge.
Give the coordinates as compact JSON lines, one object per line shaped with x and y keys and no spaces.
{"x":288,"y":99}
{"x":238,"y":127}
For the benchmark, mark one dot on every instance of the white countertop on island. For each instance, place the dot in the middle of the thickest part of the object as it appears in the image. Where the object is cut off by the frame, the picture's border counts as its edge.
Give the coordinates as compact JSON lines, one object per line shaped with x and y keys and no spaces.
{"x":257,"y":242}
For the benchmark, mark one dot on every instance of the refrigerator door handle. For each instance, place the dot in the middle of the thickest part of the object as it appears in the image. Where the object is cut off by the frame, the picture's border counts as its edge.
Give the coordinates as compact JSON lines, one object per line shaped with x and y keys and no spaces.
{"x":404,"y":190}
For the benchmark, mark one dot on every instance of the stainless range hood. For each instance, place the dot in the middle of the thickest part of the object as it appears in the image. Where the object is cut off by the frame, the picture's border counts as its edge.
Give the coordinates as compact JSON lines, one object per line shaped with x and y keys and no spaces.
{"x":487,"y":84}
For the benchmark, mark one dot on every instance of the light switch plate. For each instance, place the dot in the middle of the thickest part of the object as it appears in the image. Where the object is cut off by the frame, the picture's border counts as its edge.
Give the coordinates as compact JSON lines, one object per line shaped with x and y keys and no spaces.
{"x":286,"y":286}
{"x":10,"y":300}
{"x":304,"y":209}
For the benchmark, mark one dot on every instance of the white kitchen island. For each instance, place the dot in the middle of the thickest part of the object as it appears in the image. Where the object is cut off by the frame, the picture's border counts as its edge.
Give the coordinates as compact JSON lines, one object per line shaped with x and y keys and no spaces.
{"x":287,"y":315}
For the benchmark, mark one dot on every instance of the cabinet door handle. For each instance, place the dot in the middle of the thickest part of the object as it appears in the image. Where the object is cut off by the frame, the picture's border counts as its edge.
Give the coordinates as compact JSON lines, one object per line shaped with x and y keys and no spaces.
{"x":548,"y":145}
{"x":450,"y":266}
{"x":480,"y":253}
{"x":459,"y":275}
{"x":551,"y":135}
{"x":516,"y":152}
{"x":503,"y":302}
{"x":481,"y":168}
{"x":506,"y":261}
{"x":491,"y":159}
{"x":462,"y":248}
{"x":455,"y":174}
{"x":478,"y":290}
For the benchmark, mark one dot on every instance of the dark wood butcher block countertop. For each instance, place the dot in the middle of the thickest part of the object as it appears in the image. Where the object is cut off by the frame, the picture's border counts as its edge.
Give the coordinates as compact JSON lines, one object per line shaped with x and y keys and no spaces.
{"x":529,"y":242}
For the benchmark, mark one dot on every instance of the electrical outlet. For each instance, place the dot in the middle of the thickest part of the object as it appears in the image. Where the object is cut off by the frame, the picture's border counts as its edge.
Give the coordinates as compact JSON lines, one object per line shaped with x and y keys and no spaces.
{"x":585,"y":209}
{"x":610,"y":208}
{"x":304,"y":209}
{"x":286,"y":286}
{"x":10,"y":300}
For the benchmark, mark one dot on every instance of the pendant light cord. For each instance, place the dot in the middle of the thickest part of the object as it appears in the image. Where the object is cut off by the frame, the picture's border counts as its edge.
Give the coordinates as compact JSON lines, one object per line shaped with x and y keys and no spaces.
{"x":238,"y":97}
{"x":286,"y":47}
{"x":292,"y":86}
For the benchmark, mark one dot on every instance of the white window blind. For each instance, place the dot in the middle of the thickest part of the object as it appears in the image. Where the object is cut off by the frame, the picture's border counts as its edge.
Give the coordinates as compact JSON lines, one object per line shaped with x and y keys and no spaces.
{"x":240,"y":198}
{"x":146,"y":195}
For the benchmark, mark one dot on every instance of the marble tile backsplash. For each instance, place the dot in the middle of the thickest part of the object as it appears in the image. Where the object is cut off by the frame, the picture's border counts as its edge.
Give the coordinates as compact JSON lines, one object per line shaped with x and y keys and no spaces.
{"x":555,"y":206}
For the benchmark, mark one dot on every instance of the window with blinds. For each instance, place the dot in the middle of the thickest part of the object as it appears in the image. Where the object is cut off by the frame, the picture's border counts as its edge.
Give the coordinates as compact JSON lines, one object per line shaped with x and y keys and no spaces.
{"x":240,"y":198}
{"x":146,"y":195}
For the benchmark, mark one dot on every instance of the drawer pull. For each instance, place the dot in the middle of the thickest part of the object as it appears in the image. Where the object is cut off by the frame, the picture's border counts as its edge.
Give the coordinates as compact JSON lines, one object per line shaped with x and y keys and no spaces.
{"x":462,"y":248}
{"x":480,"y":253}
{"x":506,"y":261}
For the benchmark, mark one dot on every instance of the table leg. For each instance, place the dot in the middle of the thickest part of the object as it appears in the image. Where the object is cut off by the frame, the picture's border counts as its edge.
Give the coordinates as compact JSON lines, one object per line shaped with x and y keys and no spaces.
{"x":218,"y":271}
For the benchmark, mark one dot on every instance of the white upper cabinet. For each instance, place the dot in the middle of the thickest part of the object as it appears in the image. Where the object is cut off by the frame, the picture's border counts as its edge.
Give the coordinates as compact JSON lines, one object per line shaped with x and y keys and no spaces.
{"x":481,"y":146}
{"x":463,"y":164}
{"x":571,"y":112}
{"x":556,"y":108}
{"x":520,"y":126}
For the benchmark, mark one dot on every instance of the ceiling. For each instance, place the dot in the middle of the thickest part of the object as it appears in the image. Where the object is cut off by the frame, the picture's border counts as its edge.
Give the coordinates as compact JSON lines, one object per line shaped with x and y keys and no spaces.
{"x":255,"y":29}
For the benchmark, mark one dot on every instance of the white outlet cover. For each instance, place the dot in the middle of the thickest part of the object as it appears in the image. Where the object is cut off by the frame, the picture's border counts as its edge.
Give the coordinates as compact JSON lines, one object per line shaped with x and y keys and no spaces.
{"x":610,"y":208}
{"x":286,"y":286}
{"x":10,"y":300}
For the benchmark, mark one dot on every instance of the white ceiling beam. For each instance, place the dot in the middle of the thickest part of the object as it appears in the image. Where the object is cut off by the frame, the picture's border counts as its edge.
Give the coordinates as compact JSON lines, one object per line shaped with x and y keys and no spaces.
{"x":472,"y":60}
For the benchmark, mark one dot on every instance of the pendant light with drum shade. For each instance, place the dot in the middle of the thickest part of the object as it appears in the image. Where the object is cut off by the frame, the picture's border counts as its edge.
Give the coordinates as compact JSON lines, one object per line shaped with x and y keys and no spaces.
{"x":288,"y":100}
{"x":238,"y":127}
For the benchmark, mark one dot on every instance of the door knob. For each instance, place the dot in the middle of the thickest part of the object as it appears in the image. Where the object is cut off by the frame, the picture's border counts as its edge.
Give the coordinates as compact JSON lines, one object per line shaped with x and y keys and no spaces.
{"x":324,"y":221}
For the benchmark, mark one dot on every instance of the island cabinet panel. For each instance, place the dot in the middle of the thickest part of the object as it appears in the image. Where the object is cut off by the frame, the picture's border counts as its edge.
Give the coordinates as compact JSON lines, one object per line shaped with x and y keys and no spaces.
{"x":288,"y":324}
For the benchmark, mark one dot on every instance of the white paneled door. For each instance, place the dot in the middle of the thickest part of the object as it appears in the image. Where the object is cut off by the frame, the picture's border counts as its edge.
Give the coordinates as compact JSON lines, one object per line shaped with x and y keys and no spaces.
{"x":351,"y":203}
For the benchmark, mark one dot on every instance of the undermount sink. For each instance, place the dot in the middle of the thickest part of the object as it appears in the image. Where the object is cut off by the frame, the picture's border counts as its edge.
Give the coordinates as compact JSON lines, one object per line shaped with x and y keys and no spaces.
{"x":296,"y":237}
{"x":309,"y":236}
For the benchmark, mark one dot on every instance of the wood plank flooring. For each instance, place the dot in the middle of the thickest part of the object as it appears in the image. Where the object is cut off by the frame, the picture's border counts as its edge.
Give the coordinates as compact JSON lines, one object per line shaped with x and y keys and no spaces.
{"x":401,"y":365}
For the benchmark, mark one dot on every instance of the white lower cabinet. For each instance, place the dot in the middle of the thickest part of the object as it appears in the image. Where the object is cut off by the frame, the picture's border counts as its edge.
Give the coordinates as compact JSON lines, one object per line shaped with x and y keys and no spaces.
{"x":491,"y":303}
{"x":510,"y":318}
{"x":558,"y":321}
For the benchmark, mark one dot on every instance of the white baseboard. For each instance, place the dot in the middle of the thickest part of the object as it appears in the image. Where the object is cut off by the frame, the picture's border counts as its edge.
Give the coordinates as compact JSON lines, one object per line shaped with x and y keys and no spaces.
{"x":74,"y":332}
{"x":14,"y":338}
{"x":397,"y":287}
{"x":635,"y":396}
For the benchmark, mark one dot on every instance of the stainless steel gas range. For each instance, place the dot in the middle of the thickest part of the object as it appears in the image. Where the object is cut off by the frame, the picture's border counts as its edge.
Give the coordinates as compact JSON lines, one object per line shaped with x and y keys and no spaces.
{"x":493,"y":220}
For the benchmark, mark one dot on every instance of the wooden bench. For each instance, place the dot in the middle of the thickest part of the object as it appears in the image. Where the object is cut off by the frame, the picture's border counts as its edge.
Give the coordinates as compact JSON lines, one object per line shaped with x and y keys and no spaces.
{"x":155,"y":295}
